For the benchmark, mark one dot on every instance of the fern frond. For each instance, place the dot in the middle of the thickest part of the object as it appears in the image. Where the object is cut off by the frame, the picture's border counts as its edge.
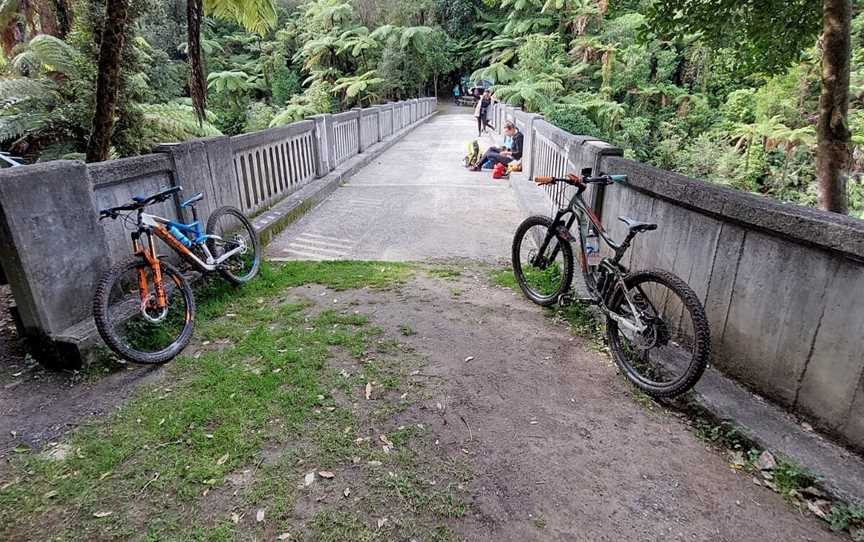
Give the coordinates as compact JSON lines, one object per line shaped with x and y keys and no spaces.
{"x":26,"y":63}
{"x":292,"y":113}
{"x":14,"y":126}
{"x":258,"y":16}
{"x":172,"y":122}
{"x":19,"y":89}
{"x":55,"y":54}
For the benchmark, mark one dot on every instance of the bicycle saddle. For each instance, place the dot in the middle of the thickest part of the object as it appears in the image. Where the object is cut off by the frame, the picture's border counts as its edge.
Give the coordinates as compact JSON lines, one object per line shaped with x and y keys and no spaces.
{"x":193,"y":200}
{"x":636,"y":226}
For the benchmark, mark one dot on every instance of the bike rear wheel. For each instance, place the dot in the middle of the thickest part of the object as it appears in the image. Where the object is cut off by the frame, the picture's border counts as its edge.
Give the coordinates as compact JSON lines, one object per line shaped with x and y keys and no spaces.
{"x":138,"y":331}
{"x":544,"y":277}
{"x":234,"y":231}
{"x":670,"y":355}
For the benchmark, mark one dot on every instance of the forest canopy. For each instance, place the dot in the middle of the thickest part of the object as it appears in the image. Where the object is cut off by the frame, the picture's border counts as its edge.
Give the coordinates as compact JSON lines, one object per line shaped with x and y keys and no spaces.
{"x":698,"y":87}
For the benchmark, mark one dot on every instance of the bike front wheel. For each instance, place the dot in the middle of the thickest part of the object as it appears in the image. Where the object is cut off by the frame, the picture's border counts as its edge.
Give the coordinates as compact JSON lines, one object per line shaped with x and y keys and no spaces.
{"x":669,"y":349}
{"x":132,"y":325}
{"x":230,"y":230}
{"x":543,"y":275}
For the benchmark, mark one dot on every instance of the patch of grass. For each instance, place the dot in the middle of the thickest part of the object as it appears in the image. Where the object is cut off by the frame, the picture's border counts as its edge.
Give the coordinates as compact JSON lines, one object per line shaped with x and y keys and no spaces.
{"x":446,"y":272}
{"x":332,"y":526}
{"x":848,"y":517}
{"x":210,"y":416}
{"x":410,"y":494}
{"x":790,"y":477}
{"x":505,"y":278}
{"x":722,"y":434}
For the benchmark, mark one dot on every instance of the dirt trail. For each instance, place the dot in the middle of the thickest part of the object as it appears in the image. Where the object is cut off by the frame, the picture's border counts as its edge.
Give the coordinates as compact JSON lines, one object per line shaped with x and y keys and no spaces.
{"x":36,"y":405}
{"x":559,"y":447}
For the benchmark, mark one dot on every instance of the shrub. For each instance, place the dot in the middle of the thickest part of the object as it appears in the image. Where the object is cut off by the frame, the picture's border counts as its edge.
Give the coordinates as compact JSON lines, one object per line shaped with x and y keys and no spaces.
{"x":573,"y":120}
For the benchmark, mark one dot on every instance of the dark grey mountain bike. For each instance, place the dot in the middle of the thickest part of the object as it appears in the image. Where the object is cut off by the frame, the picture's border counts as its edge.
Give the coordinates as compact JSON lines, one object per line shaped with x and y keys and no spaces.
{"x":655,"y":324}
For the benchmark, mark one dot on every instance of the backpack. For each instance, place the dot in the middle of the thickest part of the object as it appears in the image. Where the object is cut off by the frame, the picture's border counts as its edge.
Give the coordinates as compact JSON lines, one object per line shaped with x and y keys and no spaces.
{"x":473,"y":154}
{"x":499,"y":171}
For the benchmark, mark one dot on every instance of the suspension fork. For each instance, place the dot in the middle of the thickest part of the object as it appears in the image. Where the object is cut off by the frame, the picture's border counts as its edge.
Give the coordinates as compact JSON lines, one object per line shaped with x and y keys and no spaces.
{"x":152,"y":259}
{"x":554,"y":233}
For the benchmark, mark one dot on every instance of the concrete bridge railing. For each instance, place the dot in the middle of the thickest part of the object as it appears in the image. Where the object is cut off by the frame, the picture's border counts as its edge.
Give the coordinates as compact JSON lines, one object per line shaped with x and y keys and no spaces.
{"x":783,"y":285}
{"x":53,"y":250}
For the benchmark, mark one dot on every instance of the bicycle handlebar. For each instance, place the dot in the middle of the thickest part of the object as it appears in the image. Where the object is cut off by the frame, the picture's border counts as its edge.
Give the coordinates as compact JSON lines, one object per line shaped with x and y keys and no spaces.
{"x":578,"y":181}
{"x":139,"y":202}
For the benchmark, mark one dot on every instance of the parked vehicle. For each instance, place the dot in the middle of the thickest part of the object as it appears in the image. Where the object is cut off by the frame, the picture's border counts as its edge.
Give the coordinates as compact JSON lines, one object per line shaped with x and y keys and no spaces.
{"x":655,"y":324}
{"x":144,"y":307}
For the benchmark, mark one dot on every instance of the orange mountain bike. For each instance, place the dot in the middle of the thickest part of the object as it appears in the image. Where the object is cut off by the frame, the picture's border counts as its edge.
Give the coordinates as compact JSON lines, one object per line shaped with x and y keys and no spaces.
{"x":144,"y":308}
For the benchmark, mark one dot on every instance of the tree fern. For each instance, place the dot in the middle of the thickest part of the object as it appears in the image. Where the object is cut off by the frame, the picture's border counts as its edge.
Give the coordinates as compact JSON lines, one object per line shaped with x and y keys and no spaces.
{"x":54,"y":54}
{"x":257,"y":16}
{"x":16,"y":125}
{"x":172,"y":122}
{"x":293,"y":113}
{"x":19,"y":89}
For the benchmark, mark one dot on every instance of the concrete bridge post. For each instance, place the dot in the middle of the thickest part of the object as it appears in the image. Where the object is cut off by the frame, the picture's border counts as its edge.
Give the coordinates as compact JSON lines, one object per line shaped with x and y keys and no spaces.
{"x":53,"y":249}
{"x":206,"y":166}
{"x":326,"y":152}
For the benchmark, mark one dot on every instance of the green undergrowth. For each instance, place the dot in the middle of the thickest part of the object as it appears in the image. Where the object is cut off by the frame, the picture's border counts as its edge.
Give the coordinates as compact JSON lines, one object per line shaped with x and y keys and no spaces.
{"x":258,"y":378}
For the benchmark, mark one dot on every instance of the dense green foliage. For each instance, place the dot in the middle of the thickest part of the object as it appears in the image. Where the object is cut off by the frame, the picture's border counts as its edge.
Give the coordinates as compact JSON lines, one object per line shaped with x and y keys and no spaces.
{"x":721,"y":89}
{"x":320,"y":56}
{"x":735,"y":102}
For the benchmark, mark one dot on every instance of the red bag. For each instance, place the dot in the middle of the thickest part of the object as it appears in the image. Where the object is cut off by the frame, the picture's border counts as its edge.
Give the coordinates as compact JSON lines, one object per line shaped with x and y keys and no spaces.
{"x":499,"y":171}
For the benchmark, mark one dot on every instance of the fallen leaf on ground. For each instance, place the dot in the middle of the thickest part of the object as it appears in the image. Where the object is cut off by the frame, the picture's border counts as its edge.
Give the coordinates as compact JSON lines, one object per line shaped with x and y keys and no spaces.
{"x":326,"y":474}
{"x":102,"y":514}
{"x":259,"y":517}
{"x":235,"y":518}
{"x":382,"y":522}
{"x":309,"y":478}
{"x":347,"y":492}
{"x":821,"y":508}
{"x":469,"y":358}
{"x":223,"y":459}
{"x":368,"y":391}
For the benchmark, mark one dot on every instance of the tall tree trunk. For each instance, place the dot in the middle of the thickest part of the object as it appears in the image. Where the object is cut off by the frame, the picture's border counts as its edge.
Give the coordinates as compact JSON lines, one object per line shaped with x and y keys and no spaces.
{"x":108,"y":82}
{"x":47,"y":18}
{"x":197,"y":88}
{"x":64,"y":17}
{"x":833,"y":129}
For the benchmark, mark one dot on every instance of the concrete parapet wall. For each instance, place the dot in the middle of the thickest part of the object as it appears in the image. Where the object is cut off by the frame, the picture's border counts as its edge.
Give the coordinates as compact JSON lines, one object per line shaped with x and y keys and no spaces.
{"x":783,"y":285}
{"x":53,"y":250}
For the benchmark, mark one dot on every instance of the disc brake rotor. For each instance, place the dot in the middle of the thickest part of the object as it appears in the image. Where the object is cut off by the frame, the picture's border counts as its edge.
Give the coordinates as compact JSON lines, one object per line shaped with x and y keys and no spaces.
{"x":145,"y":307}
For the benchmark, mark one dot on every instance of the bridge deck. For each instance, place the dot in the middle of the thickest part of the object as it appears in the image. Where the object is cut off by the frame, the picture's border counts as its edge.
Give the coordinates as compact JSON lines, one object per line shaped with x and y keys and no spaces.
{"x":415,"y":202}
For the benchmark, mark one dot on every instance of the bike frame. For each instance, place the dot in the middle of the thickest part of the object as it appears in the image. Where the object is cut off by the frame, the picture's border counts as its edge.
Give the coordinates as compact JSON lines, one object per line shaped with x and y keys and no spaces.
{"x":150,"y":225}
{"x":585,"y":218}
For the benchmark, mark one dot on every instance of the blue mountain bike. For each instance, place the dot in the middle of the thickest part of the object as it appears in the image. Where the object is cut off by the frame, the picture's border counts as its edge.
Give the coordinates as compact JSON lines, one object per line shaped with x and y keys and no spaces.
{"x":144,"y":308}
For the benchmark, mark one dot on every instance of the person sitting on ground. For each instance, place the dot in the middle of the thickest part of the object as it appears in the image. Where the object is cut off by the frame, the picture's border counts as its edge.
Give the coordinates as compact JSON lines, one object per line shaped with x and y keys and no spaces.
{"x":481,"y":113}
{"x":512,"y":149}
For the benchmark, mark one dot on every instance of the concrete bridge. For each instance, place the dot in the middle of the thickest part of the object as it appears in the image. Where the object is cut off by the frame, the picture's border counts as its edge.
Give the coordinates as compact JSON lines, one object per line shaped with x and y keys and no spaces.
{"x":783,"y":285}
{"x":415,"y":202}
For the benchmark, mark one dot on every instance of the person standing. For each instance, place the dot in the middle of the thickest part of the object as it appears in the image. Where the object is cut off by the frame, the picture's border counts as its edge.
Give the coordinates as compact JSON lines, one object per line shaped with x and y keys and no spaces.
{"x":481,"y":112}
